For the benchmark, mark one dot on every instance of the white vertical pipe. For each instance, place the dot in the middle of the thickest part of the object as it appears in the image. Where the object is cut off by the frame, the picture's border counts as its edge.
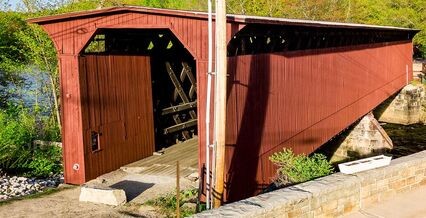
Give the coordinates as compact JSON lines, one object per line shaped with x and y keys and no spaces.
{"x":213,"y":180}
{"x":209,"y":81}
{"x":406,"y":73}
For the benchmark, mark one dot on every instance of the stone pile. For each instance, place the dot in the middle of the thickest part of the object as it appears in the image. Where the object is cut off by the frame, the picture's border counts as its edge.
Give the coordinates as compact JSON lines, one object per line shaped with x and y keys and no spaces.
{"x":13,"y":186}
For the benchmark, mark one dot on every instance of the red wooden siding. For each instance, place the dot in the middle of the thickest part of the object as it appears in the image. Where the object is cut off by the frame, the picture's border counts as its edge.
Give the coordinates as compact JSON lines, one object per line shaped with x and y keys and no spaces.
{"x":300,"y":100}
{"x":116,"y":102}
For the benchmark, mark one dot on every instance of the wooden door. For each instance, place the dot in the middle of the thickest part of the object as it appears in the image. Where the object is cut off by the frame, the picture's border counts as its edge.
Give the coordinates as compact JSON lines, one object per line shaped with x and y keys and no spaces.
{"x":117,"y":110}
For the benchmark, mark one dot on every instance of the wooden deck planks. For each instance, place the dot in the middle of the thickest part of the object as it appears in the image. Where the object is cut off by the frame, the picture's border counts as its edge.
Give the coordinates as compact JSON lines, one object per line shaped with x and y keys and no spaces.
{"x":165,"y":165}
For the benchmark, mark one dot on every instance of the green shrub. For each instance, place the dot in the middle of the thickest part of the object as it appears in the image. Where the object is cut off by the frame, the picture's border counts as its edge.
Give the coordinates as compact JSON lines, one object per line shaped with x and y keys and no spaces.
{"x":18,"y":129}
{"x":167,"y":204}
{"x":16,"y":134}
{"x":299,"y":168}
{"x":49,"y":130}
{"x":45,"y":162}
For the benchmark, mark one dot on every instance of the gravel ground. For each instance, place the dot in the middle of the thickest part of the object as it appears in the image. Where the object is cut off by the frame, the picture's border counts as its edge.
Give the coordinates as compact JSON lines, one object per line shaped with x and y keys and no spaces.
{"x":13,"y":186}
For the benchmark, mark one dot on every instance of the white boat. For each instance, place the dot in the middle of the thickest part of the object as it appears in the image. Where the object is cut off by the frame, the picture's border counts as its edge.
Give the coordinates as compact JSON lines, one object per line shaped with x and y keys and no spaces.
{"x":364,"y":164}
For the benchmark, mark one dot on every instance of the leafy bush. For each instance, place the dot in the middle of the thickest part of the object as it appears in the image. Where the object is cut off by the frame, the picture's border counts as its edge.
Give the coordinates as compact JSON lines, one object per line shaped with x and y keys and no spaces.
{"x":45,"y":162}
{"x":49,"y":130}
{"x":299,"y":168}
{"x":18,"y":129}
{"x":16,"y":134}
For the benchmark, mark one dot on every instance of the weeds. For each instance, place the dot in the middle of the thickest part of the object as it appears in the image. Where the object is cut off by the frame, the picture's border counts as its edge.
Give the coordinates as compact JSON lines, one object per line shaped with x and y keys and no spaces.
{"x":167,"y":204}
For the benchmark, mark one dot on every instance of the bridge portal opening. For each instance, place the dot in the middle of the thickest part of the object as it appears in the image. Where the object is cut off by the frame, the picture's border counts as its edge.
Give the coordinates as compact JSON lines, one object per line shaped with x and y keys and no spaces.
{"x":140,"y":93}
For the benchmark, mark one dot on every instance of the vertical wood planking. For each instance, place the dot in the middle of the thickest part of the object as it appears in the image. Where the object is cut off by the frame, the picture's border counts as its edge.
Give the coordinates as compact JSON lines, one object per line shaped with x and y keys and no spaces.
{"x":119,"y":106}
{"x":311,"y":96}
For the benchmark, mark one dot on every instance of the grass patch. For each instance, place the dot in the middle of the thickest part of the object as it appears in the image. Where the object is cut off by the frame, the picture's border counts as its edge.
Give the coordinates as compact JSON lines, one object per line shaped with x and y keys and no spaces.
{"x":166,"y":204}
{"x":416,"y":82}
{"x":44,"y":193}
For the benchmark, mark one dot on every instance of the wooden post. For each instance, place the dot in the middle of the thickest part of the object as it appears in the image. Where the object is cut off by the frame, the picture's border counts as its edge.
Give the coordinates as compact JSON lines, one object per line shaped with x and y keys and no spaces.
{"x":177,"y":190}
{"x":220,"y":103}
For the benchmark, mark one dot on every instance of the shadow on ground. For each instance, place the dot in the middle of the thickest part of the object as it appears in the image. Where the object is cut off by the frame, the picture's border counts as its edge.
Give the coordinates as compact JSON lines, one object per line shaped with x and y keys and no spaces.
{"x":132,"y":188}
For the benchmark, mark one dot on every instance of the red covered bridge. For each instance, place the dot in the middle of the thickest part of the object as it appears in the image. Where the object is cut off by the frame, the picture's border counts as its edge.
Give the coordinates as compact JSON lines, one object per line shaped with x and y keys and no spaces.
{"x":134,"y":78}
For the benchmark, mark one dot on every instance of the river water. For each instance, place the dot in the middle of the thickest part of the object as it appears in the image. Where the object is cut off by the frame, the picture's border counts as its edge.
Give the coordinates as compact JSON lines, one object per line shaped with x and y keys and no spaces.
{"x":407,"y":139}
{"x":35,"y":91}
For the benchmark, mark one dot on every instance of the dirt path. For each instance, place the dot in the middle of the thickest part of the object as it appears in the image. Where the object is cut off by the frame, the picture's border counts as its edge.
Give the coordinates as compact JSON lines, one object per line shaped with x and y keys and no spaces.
{"x":65,"y":204}
{"x":138,"y":187}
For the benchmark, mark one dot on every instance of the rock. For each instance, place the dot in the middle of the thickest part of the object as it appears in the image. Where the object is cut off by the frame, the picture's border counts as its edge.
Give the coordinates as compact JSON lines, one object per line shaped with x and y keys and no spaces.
{"x":145,"y":208}
{"x":20,"y":186}
{"x":193,"y":176}
{"x":189,"y":205}
{"x":103,"y":195}
{"x":63,"y":185}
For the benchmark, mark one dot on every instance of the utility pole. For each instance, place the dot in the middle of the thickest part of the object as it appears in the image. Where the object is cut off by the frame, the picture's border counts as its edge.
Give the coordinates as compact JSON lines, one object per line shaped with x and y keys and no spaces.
{"x":220,"y":103}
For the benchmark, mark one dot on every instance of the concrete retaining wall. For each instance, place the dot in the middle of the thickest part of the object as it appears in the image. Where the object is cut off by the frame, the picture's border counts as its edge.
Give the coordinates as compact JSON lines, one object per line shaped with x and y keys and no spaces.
{"x":334,"y":195}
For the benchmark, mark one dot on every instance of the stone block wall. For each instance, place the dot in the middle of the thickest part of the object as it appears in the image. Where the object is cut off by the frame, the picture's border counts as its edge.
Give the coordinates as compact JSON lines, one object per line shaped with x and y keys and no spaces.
{"x":406,"y":107}
{"x":334,"y":195}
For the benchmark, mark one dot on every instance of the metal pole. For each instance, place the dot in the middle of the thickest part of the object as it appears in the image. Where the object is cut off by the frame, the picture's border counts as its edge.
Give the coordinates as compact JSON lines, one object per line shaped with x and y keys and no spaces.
{"x":209,"y":84}
{"x":220,"y":96}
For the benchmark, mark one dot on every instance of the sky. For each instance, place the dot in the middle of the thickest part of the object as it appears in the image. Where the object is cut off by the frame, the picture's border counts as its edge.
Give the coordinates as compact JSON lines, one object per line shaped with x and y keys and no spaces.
{"x":13,"y":3}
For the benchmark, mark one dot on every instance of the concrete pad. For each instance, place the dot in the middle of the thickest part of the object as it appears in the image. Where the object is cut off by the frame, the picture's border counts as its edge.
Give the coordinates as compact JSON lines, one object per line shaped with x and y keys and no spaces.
{"x":405,"y":205}
{"x":140,"y":188}
{"x":103,"y":195}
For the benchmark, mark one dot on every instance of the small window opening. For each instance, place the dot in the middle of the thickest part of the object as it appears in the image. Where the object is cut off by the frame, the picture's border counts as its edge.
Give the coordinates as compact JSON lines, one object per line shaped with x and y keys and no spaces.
{"x":97,"y":45}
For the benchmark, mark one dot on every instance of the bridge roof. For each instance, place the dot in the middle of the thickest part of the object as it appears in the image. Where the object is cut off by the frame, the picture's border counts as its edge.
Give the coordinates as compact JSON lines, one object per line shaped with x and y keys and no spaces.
{"x":232,"y":18}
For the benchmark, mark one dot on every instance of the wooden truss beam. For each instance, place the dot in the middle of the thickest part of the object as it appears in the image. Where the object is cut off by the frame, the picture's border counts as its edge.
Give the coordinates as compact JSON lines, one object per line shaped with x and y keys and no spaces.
{"x":178,"y":88}
{"x":178,"y":108}
{"x":181,"y":126}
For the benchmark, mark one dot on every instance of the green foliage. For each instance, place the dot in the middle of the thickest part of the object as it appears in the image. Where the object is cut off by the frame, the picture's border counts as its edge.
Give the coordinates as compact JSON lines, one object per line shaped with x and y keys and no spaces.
{"x":49,"y":130}
{"x":167,"y":204}
{"x":16,"y":135}
{"x":45,"y":162}
{"x":27,"y":49}
{"x":299,"y":168}
{"x":19,"y":129}
{"x":13,"y":51}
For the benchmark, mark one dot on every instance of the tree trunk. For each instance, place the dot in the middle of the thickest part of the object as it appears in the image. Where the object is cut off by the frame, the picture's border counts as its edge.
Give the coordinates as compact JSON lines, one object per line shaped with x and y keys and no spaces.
{"x":55,"y":100}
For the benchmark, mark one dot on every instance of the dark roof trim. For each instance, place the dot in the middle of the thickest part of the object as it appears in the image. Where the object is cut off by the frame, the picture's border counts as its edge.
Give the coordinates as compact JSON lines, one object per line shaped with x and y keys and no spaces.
{"x":203,"y":15}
